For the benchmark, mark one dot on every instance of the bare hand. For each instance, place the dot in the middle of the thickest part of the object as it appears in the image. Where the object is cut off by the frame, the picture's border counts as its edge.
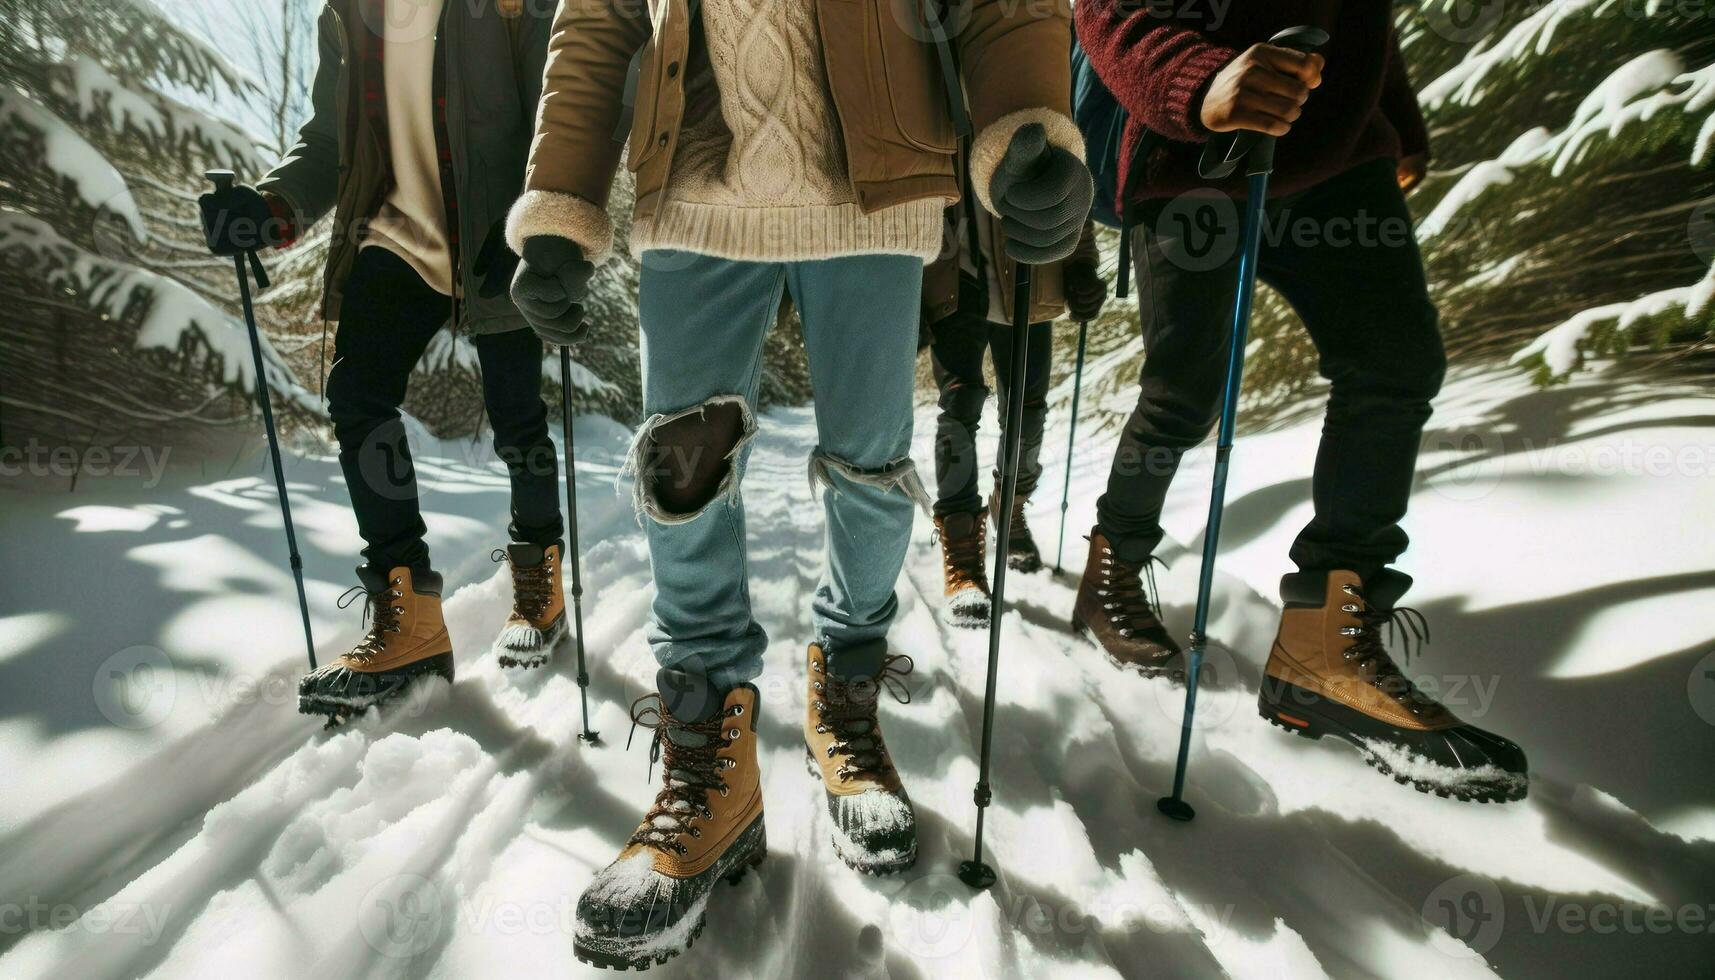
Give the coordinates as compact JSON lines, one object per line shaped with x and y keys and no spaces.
{"x":1411,"y":170}
{"x":1263,"y":89}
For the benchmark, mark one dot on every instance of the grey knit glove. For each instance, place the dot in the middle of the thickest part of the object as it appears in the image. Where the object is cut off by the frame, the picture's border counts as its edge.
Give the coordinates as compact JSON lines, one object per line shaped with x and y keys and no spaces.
{"x":1042,"y":194}
{"x":552,"y":283}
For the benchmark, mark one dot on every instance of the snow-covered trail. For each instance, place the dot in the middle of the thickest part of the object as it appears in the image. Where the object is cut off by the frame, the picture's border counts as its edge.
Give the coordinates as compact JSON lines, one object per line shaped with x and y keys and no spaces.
{"x":452,"y":836}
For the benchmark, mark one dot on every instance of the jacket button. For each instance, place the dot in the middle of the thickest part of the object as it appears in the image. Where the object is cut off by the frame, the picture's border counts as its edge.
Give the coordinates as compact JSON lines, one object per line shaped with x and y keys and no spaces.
{"x":662,"y":142}
{"x":673,"y":70}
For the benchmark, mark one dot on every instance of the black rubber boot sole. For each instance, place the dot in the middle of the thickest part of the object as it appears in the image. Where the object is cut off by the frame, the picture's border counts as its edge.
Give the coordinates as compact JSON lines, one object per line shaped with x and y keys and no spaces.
{"x":747,"y":856}
{"x":342,"y":694}
{"x":1482,"y":778}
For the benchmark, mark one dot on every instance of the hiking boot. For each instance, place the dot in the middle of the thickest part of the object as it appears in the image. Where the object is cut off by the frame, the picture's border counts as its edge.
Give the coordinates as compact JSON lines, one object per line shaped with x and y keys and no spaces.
{"x":963,"y":551}
{"x":874,"y":828}
{"x":407,"y":639}
{"x":1116,"y":611}
{"x":705,"y":826}
{"x":1022,"y":555}
{"x":1329,"y":673}
{"x":538,"y":620}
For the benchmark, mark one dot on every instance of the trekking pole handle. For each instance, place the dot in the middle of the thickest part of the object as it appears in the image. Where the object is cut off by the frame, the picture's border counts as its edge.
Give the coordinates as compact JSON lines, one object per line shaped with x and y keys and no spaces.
{"x":1224,"y":152}
{"x":222,"y":179}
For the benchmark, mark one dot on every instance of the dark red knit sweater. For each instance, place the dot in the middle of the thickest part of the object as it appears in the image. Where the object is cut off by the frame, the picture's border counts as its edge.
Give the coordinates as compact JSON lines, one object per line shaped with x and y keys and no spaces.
{"x":1158,"y":63}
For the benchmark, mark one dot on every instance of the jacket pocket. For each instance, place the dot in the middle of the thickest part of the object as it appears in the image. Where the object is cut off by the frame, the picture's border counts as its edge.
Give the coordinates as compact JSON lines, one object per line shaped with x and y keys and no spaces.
{"x":645,"y":142}
{"x":915,"y":89}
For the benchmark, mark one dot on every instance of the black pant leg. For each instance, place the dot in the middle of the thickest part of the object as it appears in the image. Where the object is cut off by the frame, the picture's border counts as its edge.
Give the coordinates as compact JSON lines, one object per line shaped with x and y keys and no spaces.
{"x":1348,"y":262}
{"x":956,"y":357}
{"x":512,"y":390}
{"x":1037,"y":354}
{"x":386,"y":320}
{"x":1185,"y":304}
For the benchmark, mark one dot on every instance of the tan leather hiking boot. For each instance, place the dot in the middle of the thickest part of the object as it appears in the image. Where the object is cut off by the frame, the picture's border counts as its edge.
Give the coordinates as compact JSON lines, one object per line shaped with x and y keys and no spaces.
{"x":538,"y":620}
{"x":407,"y":639}
{"x":1022,"y":554}
{"x":964,"y":549}
{"x":1329,"y":673}
{"x":705,"y":826}
{"x":1114,"y":609}
{"x":874,"y":827}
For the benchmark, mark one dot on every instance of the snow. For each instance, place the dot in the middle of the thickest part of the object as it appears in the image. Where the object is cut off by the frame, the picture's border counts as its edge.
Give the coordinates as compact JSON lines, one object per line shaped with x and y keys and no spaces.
{"x":1562,"y":347}
{"x":101,"y":97}
{"x":174,"y":309}
{"x":226,"y":836}
{"x":66,"y":153}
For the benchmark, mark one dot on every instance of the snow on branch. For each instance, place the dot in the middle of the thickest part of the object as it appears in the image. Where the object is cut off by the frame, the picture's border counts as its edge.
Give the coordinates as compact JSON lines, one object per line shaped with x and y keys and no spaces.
{"x":110,"y":286}
{"x":102,"y":98}
{"x":1649,"y":83}
{"x":1562,"y":349}
{"x":72,"y":157}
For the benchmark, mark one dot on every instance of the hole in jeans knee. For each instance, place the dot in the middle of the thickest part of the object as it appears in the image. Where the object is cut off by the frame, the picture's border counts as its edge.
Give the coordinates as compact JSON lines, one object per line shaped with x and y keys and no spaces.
{"x":684,"y":461}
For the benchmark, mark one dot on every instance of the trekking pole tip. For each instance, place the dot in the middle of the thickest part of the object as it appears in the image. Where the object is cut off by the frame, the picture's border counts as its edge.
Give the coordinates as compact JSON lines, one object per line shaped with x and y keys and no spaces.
{"x":1175,"y":809}
{"x":977,"y":874}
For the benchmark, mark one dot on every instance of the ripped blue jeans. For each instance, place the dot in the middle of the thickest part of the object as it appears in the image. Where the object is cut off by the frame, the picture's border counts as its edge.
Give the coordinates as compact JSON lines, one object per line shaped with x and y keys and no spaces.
{"x":703,"y":323}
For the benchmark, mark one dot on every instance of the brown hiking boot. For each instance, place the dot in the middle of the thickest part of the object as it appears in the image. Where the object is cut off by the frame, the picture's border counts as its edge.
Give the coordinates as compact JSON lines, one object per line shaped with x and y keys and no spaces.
{"x":1329,"y":673}
{"x":705,"y":826}
{"x":964,"y":549}
{"x":538,"y":620}
{"x":407,"y":639}
{"x":875,"y":829}
{"x":1022,"y":555}
{"x":1114,"y":609}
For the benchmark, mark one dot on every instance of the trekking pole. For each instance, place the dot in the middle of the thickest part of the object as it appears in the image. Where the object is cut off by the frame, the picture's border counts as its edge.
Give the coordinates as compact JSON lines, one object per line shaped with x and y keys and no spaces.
{"x":223,"y":180}
{"x":594,"y":738}
{"x":975,"y":872}
{"x":1256,"y":151}
{"x":1071,"y":435}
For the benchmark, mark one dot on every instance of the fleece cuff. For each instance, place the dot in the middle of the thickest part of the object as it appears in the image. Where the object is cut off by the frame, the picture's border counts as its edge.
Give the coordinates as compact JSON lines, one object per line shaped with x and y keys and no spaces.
{"x":989,"y":147}
{"x":564,"y":215}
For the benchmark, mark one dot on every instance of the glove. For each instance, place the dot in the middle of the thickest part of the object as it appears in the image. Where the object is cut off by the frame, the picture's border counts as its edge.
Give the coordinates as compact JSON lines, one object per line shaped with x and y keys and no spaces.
{"x":552,"y":283}
{"x":495,"y":264}
{"x":238,"y":219}
{"x":1042,"y":194}
{"x":1086,"y":291}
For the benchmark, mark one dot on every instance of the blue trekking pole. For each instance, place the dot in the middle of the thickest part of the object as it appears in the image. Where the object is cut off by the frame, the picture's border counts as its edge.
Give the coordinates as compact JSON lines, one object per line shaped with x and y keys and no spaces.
{"x":1071,"y":435}
{"x":1221,"y":158}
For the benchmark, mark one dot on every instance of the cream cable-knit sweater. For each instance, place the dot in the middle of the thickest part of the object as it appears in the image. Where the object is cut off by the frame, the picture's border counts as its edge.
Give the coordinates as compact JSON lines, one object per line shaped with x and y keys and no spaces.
{"x":759,"y":172}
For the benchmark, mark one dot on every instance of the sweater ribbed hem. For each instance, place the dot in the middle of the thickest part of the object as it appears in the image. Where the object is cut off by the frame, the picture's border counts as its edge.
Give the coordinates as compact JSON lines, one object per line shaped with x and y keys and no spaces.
{"x":802,"y":233}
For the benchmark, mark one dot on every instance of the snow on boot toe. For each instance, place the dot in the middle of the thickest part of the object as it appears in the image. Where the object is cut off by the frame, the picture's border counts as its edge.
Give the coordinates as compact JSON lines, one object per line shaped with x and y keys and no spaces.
{"x":1329,"y":673}
{"x":874,"y":829}
{"x":704,"y":827}
{"x":965,"y":581}
{"x":407,"y":640}
{"x":538,"y":620}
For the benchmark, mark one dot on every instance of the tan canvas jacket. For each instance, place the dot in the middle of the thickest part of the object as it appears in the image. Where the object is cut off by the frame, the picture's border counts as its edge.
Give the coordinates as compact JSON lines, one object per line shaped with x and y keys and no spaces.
{"x":883,"y":72}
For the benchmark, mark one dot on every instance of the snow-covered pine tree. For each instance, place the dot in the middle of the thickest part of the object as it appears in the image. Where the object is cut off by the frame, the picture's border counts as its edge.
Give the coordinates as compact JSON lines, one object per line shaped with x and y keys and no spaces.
{"x":116,"y":321}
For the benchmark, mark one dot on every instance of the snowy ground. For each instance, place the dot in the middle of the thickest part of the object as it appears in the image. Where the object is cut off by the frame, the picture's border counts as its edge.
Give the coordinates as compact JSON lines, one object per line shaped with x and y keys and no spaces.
{"x":168,"y":814}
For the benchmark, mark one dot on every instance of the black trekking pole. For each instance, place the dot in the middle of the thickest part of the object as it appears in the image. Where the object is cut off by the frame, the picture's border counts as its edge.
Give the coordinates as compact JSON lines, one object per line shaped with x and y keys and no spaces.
{"x":1256,"y":151}
{"x":1071,"y":436}
{"x":223,"y":180}
{"x":975,"y":872}
{"x":594,"y":738}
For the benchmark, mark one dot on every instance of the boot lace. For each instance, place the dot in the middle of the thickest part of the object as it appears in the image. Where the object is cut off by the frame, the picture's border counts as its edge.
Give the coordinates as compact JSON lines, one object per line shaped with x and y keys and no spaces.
{"x":846,"y":709}
{"x":1370,"y":641}
{"x":964,"y":555}
{"x":1129,"y":594}
{"x":692,"y":769}
{"x":379,"y":613}
{"x":532,"y":585}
